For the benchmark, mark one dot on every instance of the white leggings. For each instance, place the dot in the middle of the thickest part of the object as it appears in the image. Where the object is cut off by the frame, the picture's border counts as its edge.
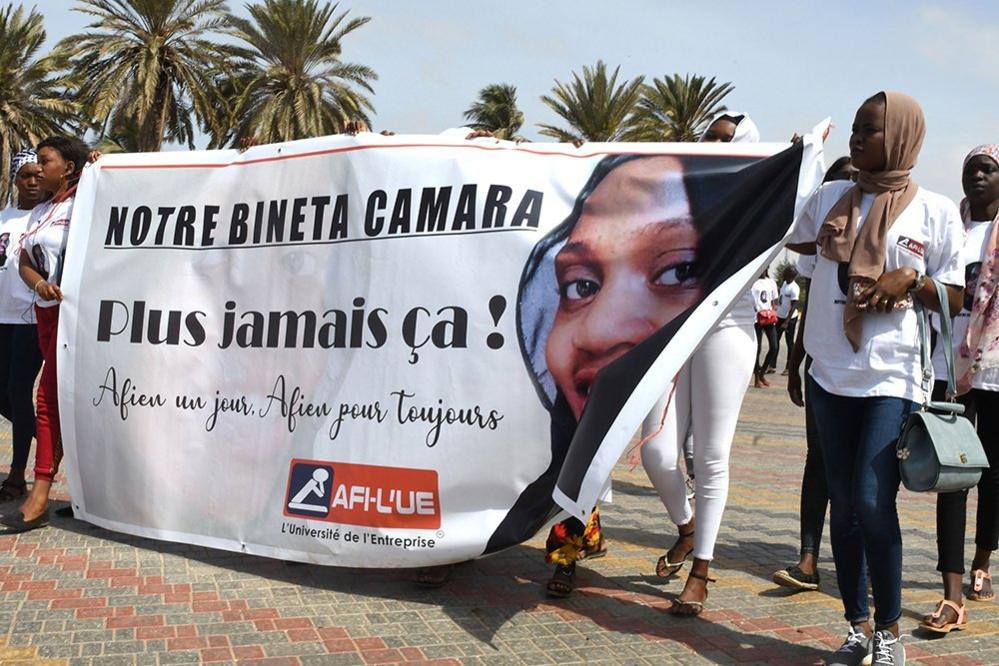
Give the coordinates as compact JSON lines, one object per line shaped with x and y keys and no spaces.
{"x":707,"y":399}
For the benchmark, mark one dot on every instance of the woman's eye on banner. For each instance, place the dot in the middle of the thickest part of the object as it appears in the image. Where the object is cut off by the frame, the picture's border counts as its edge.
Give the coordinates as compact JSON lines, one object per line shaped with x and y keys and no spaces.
{"x":626,"y":269}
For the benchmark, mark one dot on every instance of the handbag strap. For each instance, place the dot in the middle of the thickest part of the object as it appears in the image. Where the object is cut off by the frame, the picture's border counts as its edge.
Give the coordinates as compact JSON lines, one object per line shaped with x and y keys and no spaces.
{"x":945,"y":341}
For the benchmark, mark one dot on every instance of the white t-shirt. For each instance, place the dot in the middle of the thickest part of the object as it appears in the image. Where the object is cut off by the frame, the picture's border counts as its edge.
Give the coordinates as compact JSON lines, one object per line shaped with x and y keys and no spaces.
{"x":45,"y":241}
{"x":975,"y":245}
{"x":928,"y":237}
{"x":742,"y":312}
{"x":15,"y":296}
{"x":765,"y":294}
{"x":789,"y":292}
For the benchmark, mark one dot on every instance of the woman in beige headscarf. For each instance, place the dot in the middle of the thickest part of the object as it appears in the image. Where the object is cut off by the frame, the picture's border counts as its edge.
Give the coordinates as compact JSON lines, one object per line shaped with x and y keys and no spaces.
{"x":881,"y":243}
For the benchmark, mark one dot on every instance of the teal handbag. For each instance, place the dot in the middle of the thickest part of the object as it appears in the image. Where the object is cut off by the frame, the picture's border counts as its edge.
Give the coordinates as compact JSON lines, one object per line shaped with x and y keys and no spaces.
{"x":939,"y":450}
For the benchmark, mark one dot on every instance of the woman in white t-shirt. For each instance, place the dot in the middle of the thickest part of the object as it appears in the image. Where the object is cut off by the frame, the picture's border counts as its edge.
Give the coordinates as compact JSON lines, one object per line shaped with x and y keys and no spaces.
{"x":43,"y":250}
{"x":20,"y":357}
{"x":708,"y":396}
{"x":787,"y":311}
{"x":765,"y":297}
{"x":978,"y":365}
{"x":881,"y":243}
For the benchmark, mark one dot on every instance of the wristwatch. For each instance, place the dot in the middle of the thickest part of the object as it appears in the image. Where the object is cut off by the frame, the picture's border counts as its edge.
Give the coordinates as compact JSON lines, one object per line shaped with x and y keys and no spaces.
{"x":918,"y":283}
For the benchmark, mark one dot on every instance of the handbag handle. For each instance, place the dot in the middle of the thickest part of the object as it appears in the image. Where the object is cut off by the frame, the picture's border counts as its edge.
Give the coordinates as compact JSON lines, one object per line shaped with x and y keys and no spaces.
{"x":946,"y":341}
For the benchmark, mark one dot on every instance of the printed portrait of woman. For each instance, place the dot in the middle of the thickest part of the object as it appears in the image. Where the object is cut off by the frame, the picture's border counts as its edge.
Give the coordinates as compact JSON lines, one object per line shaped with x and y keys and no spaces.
{"x":622,"y":265}
{"x":619,"y":269}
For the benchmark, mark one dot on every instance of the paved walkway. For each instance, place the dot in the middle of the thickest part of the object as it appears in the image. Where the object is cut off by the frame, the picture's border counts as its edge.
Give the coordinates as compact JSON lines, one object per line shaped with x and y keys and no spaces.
{"x":81,"y":595}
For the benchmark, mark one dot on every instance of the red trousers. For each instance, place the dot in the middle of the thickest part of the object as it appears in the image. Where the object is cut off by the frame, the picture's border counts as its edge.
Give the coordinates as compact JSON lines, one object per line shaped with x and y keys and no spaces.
{"x":48,"y":452}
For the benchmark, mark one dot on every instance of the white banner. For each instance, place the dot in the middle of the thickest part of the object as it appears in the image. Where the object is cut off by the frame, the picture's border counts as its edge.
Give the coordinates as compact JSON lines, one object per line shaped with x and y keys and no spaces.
{"x":336,"y":350}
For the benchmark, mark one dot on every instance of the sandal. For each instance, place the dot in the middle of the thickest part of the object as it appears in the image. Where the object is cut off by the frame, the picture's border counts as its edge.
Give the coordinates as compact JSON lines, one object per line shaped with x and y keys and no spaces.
{"x":563,"y":581}
{"x":436,"y":576}
{"x":12,"y":490}
{"x":598,"y":552}
{"x":667,"y":569}
{"x":929,"y":623}
{"x":977,"y":590}
{"x":691,"y":608}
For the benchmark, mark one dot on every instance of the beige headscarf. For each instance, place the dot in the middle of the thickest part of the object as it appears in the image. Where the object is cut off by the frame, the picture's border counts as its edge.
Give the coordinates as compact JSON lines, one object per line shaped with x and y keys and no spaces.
{"x":866,"y":249}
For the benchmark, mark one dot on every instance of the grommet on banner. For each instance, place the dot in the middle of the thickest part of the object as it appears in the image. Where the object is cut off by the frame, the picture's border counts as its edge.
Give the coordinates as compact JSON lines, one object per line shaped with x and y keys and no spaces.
{"x":714,"y":304}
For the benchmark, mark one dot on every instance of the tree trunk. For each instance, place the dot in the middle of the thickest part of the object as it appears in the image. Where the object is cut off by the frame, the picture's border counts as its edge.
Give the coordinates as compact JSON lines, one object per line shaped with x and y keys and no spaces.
{"x":151,"y":130}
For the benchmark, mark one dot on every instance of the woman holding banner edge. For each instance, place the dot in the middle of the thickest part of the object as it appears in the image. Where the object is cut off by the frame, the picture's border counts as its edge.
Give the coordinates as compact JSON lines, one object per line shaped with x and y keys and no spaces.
{"x":706,"y":401}
{"x":591,"y":326}
{"x":880,"y":244}
{"x":62,"y":160}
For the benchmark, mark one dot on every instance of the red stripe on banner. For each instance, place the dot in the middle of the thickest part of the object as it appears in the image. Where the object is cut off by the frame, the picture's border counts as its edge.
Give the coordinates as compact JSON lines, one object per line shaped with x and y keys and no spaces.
{"x":349,"y":149}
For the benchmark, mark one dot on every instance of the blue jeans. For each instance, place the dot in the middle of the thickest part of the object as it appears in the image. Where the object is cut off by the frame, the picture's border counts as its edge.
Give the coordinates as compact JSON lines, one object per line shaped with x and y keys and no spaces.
{"x":858,"y":437}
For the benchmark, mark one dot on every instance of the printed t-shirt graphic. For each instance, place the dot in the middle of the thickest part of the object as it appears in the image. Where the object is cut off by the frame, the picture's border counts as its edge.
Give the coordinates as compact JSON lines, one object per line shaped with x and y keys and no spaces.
{"x":45,"y":240}
{"x":975,"y":246}
{"x":16,"y":298}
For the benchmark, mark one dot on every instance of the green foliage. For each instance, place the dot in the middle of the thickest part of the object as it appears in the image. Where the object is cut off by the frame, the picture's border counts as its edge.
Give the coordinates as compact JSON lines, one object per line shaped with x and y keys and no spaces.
{"x":595,"y":107}
{"x":287,"y":80}
{"x":496,"y":110}
{"x":676,"y":108}
{"x":32,"y":105}
{"x":149,"y":62}
{"x":147,"y":72}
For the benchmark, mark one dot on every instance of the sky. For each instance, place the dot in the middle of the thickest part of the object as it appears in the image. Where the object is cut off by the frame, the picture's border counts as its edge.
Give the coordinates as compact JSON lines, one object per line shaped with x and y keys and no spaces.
{"x":792,"y":63}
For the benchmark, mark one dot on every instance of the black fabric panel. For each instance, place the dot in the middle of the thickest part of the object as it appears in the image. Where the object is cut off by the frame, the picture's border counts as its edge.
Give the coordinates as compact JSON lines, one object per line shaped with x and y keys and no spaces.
{"x":754,"y":209}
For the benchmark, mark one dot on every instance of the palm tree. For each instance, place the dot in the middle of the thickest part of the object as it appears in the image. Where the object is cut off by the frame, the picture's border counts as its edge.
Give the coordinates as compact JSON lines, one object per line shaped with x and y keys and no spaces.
{"x":595,"y":107}
{"x":32,"y":105}
{"x":677,"y":108}
{"x":150,"y":62}
{"x":292,"y":81}
{"x":496,"y":110}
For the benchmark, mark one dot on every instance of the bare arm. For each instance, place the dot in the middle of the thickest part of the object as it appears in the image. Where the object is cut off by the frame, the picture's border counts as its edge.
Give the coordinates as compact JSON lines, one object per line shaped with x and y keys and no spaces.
{"x":35,"y":281}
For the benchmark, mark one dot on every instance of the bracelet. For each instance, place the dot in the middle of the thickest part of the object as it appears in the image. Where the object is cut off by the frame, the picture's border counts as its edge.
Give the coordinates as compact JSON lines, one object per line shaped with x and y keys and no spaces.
{"x":918,"y":283}
{"x":35,"y":288}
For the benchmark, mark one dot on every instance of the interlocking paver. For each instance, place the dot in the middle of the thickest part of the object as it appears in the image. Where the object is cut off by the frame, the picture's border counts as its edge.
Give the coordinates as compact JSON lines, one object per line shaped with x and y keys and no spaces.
{"x":76,"y":594}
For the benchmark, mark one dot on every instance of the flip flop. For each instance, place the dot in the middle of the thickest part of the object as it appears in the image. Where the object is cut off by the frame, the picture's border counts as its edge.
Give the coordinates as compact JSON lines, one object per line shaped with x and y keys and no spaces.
{"x":946,"y":628}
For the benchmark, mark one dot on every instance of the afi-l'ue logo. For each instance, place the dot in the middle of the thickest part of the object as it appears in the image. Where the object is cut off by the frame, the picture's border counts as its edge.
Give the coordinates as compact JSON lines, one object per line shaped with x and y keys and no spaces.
{"x":366,"y":495}
{"x":913,"y":246}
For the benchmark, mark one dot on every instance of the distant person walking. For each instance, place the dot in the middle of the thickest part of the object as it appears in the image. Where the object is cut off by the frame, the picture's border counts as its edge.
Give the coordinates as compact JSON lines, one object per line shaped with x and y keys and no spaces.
{"x":787,"y":312}
{"x":765,"y":295}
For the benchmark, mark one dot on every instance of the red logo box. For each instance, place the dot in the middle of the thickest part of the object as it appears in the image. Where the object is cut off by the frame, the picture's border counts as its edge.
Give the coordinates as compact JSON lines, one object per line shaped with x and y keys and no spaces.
{"x":376,"y":496}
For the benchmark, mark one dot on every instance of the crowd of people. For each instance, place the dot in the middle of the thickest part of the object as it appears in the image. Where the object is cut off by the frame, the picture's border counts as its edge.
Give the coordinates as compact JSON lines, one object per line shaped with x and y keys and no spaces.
{"x":871,"y":244}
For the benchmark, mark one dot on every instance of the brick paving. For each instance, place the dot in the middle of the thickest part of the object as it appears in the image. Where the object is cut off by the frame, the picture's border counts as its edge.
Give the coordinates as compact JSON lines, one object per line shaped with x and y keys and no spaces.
{"x":76,"y":594}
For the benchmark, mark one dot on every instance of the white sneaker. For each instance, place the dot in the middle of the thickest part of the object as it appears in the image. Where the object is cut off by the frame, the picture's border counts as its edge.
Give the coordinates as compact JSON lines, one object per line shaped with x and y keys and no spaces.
{"x":852,"y":651}
{"x":886,"y":650}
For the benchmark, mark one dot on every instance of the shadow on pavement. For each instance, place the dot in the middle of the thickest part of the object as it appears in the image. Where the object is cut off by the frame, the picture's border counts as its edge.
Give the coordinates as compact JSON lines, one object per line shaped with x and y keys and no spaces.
{"x":484,"y":595}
